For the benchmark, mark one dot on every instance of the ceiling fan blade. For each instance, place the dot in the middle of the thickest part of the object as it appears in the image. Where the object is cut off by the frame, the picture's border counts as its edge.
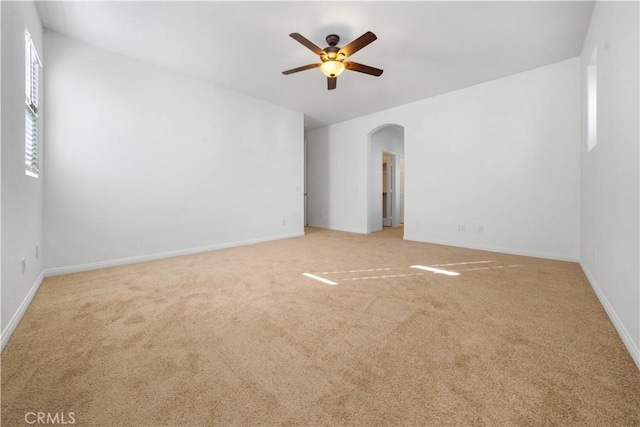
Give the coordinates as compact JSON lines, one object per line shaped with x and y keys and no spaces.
{"x":331,"y":82}
{"x":354,"y":66}
{"x":304,"y":67}
{"x":358,"y":43}
{"x":307,"y":43}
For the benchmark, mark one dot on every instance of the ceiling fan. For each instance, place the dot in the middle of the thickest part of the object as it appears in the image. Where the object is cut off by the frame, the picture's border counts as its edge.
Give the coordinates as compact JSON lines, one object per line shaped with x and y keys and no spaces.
{"x":333,"y":57}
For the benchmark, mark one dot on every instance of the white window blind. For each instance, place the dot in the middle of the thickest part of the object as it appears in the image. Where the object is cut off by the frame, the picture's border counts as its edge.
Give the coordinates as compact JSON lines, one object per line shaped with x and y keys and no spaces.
{"x":32,"y":141}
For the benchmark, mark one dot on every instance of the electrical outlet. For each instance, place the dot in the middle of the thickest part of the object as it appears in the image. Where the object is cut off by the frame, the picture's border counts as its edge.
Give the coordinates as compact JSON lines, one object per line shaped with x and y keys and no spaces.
{"x":284,"y":222}
{"x":24,"y":265}
{"x":37,"y":251}
{"x":460,"y":227}
{"x":481,"y":229}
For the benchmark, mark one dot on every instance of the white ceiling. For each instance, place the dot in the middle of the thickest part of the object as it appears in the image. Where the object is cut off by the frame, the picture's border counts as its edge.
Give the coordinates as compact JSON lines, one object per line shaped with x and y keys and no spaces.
{"x":425,"y":48}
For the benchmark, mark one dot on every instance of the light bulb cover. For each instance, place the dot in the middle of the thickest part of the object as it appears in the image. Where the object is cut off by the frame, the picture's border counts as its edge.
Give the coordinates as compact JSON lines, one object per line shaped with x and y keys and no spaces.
{"x":332,"y":68}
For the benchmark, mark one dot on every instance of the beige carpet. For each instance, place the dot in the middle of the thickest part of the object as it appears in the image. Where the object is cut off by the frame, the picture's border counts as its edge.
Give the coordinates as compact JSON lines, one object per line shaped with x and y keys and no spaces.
{"x":241,"y":337}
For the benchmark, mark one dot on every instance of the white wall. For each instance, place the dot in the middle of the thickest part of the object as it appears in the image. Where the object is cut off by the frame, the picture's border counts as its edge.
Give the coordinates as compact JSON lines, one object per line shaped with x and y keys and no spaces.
{"x":502,"y":154}
{"x":337,"y":179}
{"x":21,"y":195}
{"x":1,"y":324}
{"x":143,"y":162}
{"x":610,"y":244}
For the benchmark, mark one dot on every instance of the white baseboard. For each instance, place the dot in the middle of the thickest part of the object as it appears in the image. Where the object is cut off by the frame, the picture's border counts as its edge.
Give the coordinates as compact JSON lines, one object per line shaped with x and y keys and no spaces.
{"x":632,"y":348}
{"x":510,"y":251}
{"x":170,"y":254}
{"x":17,"y":316}
{"x":333,"y":228}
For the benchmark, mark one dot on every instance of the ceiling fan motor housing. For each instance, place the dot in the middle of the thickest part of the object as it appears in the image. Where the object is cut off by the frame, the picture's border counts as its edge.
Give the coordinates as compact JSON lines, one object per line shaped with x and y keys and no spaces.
{"x":331,"y":51}
{"x":332,"y":39}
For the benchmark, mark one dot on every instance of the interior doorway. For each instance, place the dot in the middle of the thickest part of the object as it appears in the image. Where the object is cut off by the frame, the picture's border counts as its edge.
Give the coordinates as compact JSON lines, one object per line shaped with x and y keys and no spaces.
{"x":388,"y":185}
{"x":386,"y":178}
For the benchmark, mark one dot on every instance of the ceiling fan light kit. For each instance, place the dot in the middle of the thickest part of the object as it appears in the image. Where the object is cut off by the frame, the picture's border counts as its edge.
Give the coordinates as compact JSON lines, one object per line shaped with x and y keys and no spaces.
{"x":333,"y":57}
{"x":332,"y":68}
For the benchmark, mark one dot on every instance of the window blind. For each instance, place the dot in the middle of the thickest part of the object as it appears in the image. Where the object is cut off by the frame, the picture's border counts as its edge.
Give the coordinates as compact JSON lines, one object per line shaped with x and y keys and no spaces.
{"x":32,"y":141}
{"x":32,"y":163}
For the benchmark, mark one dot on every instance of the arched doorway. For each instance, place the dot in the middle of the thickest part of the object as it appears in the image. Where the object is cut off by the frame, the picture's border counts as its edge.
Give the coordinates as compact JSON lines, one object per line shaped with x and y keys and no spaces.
{"x":385,"y":195}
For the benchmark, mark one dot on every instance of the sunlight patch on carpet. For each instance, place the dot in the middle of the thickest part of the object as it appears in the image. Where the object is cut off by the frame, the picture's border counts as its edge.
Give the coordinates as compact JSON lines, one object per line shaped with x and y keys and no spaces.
{"x":462,"y":263}
{"x":361,"y":271}
{"x":492,"y":268}
{"x":383,"y":277}
{"x":379,"y":273}
{"x":320,"y":279}
{"x":435,"y":270}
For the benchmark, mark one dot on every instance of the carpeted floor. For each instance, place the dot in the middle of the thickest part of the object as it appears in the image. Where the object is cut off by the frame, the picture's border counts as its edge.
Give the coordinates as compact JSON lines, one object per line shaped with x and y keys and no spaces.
{"x":241,"y":337}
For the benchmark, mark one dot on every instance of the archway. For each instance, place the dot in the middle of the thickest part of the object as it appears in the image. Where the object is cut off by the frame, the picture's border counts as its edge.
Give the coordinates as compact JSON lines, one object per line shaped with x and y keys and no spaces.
{"x":389,"y":139}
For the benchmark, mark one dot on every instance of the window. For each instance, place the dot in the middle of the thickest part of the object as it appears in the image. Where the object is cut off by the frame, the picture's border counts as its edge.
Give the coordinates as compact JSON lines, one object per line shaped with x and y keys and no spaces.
{"x":31,"y":138}
{"x":592,"y":101}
